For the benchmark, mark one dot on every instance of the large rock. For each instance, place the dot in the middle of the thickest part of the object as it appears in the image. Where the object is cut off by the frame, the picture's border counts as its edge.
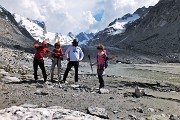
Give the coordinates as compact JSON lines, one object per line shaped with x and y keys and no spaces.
{"x":139,"y":92}
{"x":31,"y":112}
{"x":100,"y":112}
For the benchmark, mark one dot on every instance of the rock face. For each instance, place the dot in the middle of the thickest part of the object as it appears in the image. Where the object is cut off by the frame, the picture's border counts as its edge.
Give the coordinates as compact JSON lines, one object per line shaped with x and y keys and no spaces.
{"x":9,"y":17}
{"x":155,"y":34}
{"x":158,"y":32}
{"x":27,"y":112}
{"x":12,"y":35}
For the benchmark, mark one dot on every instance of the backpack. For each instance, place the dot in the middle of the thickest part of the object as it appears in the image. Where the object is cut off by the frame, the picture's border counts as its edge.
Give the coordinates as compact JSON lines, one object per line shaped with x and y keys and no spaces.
{"x":106,"y":62}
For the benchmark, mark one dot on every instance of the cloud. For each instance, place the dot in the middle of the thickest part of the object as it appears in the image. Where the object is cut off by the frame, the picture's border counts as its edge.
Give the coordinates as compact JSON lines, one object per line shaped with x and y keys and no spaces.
{"x":75,"y":16}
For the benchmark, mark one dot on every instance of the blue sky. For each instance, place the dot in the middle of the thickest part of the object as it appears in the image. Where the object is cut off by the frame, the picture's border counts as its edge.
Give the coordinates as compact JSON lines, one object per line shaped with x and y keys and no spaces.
{"x":75,"y":16}
{"x":98,"y":15}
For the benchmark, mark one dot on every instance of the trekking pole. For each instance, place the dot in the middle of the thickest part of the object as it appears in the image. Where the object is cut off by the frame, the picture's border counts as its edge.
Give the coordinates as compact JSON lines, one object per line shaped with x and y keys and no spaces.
{"x":59,"y":82}
{"x":90,"y":63}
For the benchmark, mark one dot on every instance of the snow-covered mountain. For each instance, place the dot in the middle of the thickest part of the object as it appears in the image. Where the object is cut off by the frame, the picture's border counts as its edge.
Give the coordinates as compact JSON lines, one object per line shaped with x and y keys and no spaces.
{"x":84,"y":37}
{"x":119,"y":26}
{"x":38,"y":31}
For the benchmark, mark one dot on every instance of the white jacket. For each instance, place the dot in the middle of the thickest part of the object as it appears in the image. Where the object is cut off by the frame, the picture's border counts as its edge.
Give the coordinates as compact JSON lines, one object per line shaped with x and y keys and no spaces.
{"x":74,"y":53}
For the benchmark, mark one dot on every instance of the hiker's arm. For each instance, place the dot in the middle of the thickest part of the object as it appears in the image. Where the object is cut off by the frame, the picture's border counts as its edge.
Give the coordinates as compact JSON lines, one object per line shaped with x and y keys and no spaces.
{"x":59,"y":54}
{"x":35,"y":44}
{"x":48,"y":51}
{"x":67,"y":53}
{"x":81,"y":55}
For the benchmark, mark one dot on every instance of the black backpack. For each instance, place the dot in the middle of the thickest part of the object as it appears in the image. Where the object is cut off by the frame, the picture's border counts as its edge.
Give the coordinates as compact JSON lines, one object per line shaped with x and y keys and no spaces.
{"x":106,"y":62}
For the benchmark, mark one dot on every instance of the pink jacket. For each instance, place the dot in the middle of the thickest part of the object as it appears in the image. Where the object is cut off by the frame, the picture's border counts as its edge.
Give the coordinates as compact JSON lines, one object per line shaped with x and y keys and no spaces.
{"x":101,"y":60}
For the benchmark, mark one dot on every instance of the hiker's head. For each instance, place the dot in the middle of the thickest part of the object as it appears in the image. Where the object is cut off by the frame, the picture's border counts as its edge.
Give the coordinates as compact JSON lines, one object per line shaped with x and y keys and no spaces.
{"x":44,"y":43}
{"x":57,"y":45}
{"x":100,"y":47}
{"x":75,"y":43}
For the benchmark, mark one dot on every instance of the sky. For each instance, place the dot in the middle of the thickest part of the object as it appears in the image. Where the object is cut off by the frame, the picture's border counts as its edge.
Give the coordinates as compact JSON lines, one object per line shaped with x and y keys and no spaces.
{"x":63,"y":16}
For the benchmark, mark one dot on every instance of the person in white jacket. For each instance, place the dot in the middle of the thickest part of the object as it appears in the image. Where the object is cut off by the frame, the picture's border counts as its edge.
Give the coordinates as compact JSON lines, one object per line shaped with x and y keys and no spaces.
{"x":74,"y":55}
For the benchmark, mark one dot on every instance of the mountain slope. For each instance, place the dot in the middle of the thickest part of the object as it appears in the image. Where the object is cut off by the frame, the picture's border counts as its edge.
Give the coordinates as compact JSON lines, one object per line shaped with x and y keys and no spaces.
{"x":118,"y":27}
{"x":11,"y":35}
{"x":158,"y":33}
{"x":155,"y":34}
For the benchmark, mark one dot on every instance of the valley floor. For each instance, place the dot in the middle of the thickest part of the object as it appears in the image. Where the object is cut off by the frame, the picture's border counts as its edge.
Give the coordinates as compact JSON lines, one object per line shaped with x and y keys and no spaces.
{"x":160,"y":81}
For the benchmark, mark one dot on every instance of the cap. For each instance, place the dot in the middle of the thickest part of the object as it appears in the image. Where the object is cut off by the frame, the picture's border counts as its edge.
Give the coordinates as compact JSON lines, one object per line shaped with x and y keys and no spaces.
{"x":44,"y":42}
{"x":75,"y":41}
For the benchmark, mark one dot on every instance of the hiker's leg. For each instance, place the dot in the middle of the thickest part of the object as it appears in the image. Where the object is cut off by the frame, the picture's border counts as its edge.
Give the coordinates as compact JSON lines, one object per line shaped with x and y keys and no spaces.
{"x":69,"y":65}
{"x":76,"y":65}
{"x":52,"y":68}
{"x":59,"y":69}
{"x":100,"y":77}
{"x":41,"y":65}
{"x":35,"y":66}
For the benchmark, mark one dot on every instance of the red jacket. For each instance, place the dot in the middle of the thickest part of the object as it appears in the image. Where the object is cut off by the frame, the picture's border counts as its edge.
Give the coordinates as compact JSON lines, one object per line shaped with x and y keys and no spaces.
{"x":40,"y":52}
{"x":57,"y":53}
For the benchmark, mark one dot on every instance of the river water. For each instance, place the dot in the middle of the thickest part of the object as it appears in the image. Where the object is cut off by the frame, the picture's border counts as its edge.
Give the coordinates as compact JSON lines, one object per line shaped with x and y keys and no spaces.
{"x":154,"y":72}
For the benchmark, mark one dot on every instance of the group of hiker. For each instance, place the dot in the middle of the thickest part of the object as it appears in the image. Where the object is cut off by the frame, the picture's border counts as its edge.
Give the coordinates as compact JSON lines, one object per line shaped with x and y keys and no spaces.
{"x":73,"y":55}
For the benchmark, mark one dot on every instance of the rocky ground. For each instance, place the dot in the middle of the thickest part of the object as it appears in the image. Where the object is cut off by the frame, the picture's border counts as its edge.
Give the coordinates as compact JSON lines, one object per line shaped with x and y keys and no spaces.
{"x":118,"y":100}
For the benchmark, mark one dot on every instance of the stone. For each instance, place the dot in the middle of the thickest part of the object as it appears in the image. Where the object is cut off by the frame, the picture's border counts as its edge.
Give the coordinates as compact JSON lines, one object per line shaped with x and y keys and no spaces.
{"x":29,"y":106}
{"x":139,"y":92}
{"x":174,"y":117}
{"x":115,"y":112}
{"x":133,"y":117}
{"x":157,"y":117}
{"x":35,"y":113}
{"x":151,"y":110}
{"x":104,"y":91}
{"x":8,"y":79}
{"x":40,"y":92}
{"x":3,"y":72}
{"x":100,"y":112}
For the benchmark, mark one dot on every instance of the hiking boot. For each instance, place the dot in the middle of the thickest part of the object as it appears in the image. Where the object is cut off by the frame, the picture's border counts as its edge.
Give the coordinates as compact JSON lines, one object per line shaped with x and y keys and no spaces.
{"x":35,"y":80}
{"x":53,"y":81}
{"x":101,"y":86}
{"x":62,"y":81}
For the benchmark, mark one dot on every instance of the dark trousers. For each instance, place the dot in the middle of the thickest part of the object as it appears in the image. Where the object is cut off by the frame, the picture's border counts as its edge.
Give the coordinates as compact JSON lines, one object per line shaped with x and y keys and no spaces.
{"x":41,"y":65}
{"x":100,"y":77}
{"x":69,"y":66}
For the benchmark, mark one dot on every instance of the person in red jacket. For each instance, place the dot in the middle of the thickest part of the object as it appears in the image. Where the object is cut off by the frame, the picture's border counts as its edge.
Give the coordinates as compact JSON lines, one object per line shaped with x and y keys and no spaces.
{"x":57,"y":57}
{"x":38,"y":59}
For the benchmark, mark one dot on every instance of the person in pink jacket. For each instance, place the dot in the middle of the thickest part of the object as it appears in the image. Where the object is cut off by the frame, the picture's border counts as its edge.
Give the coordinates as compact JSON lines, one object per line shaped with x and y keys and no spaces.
{"x":101,"y":59}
